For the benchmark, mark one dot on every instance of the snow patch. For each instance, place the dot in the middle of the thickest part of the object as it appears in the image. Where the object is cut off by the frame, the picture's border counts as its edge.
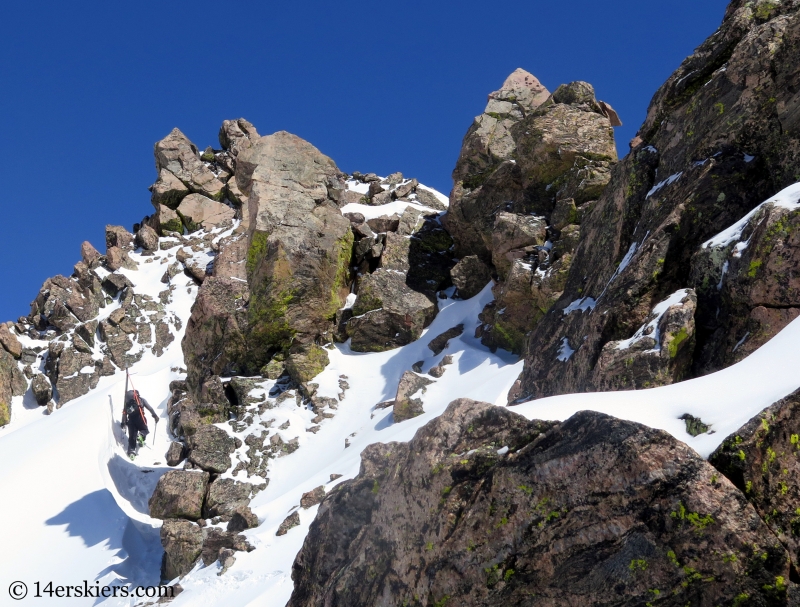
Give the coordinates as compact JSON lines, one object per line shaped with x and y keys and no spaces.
{"x":650,"y":328}
{"x":788,"y":198}
{"x":668,"y":181}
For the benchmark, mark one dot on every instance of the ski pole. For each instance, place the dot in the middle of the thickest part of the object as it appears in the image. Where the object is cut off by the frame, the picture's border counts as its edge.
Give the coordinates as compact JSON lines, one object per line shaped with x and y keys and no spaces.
{"x":155,"y":427}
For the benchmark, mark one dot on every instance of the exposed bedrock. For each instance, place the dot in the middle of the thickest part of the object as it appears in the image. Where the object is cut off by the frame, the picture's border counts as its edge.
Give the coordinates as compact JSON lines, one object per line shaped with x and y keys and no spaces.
{"x":721,"y":136}
{"x":484,"y":507}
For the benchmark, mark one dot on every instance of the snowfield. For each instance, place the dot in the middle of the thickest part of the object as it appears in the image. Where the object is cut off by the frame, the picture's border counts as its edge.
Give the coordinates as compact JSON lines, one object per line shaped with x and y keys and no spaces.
{"x":74,"y":508}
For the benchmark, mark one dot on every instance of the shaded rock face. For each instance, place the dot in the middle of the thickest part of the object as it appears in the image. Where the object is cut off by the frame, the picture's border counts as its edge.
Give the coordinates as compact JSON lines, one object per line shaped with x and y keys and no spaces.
{"x":179,"y":494}
{"x":756,"y":290}
{"x":659,"y":353}
{"x":387,"y":313}
{"x":215,"y":342}
{"x":470,"y":276}
{"x":761,"y":459}
{"x":183,"y":543}
{"x":484,"y":507}
{"x":716,"y":143}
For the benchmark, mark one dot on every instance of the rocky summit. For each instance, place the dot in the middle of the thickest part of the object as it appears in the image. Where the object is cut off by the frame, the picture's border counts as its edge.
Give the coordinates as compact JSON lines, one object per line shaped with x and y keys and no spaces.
{"x":572,"y":381}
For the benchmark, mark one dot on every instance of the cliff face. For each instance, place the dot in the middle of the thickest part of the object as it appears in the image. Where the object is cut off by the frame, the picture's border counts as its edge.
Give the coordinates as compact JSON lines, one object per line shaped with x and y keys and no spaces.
{"x":484,"y":507}
{"x":721,"y":136}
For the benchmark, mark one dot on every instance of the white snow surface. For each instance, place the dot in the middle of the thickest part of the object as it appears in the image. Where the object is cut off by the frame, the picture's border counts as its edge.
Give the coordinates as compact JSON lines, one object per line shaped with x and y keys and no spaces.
{"x":75,"y":508}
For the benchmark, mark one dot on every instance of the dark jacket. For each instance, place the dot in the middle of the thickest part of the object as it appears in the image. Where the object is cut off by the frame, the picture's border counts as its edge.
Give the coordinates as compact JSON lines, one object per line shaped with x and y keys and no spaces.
{"x":132,"y":412}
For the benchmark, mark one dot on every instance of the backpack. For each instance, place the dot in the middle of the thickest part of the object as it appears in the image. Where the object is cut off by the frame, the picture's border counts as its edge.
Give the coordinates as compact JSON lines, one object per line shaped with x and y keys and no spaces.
{"x":131,"y":406}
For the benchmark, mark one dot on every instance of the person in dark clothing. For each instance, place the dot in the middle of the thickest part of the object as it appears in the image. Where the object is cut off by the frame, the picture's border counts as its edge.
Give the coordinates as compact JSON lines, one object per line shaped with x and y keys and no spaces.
{"x":133,"y":418}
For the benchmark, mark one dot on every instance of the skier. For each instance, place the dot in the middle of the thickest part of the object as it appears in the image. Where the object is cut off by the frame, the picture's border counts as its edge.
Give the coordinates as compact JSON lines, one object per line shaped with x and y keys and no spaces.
{"x":133,"y":418}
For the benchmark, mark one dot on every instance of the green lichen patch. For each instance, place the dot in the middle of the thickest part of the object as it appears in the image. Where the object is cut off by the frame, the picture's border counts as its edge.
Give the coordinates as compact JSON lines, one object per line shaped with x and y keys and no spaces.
{"x":5,"y":413}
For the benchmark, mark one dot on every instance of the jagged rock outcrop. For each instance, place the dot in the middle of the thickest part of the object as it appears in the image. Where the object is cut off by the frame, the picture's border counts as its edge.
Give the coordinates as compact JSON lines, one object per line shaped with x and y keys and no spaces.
{"x":720,"y":137}
{"x":296,"y":260}
{"x":659,"y":351}
{"x":406,"y":404}
{"x":177,"y":158}
{"x":521,"y":211}
{"x":484,"y":507}
{"x":761,"y":460}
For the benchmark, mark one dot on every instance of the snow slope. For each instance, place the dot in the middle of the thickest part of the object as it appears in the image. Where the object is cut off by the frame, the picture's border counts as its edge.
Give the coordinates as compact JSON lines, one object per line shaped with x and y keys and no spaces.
{"x":75,"y":508}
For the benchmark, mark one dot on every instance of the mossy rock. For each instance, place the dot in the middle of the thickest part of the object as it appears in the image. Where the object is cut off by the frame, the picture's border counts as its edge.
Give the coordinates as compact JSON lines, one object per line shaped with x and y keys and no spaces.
{"x":305,"y":364}
{"x":5,"y":414}
{"x":273,"y":369}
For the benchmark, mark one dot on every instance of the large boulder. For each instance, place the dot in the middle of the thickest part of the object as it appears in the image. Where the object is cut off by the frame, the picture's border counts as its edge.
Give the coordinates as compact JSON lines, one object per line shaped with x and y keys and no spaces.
{"x":387,"y":313}
{"x":484,"y":507}
{"x":179,"y":494}
{"x":211,"y":448}
{"x":147,"y":238}
{"x":118,"y":236}
{"x":470,"y":276}
{"x":300,"y":245}
{"x":77,"y":374}
{"x":10,"y":342}
{"x":225,"y":497}
{"x":167,"y":191}
{"x":405,"y":405}
{"x":197,"y":211}
{"x":305,"y":363}
{"x":42,"y":389}
{"x":180,"y":157}
{"x":183,"y":544}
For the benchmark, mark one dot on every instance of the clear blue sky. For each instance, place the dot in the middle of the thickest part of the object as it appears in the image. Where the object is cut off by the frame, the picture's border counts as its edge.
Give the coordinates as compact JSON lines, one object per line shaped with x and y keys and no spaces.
{"x":88,"y":87}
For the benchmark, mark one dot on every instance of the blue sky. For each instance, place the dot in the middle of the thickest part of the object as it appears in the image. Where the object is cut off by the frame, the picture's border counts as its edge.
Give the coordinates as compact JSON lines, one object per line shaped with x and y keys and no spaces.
{"x":87,"y":88}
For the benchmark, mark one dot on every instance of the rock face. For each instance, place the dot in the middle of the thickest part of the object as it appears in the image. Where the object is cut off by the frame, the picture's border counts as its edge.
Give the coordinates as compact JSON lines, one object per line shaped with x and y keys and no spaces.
{"x":720,"y":137}
{"x":296,"y":258}
{"x":179,"y":494}
{"x":183,"y":543}
{"x":178,"y":158}
{"x":484,"y":507}
{"x":470,"y":276}
{"x":388,"y":313}
{"x":520,"y":212}
{"x":761,"y":460}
